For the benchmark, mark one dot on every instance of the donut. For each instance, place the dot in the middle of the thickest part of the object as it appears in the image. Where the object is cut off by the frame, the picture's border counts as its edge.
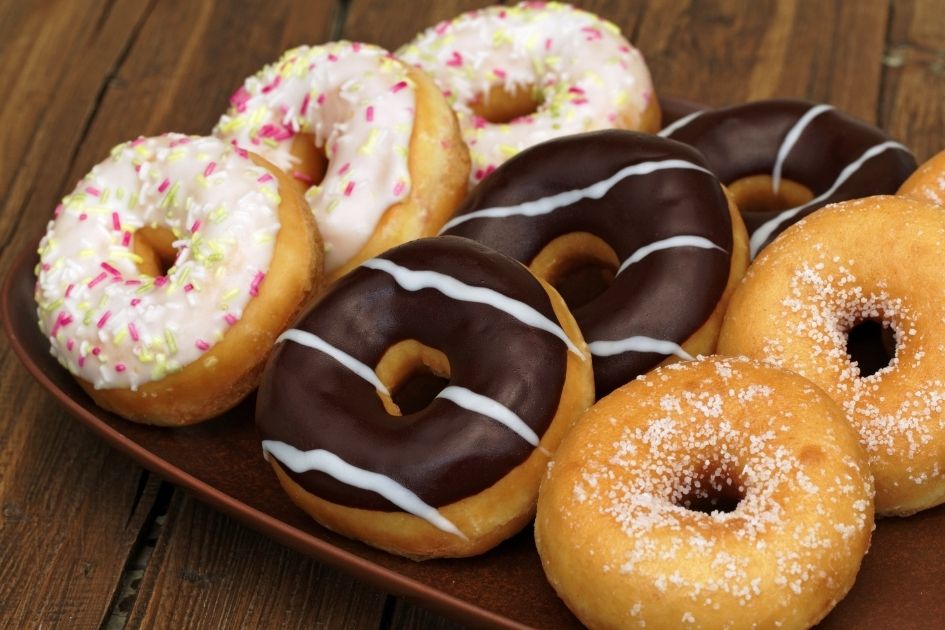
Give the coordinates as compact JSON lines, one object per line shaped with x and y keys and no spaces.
{"x":822,"y":279}
{"x":167,"y":274}
{"x":928,"y":181}
{"x":784,"y":159}
{"x":719,"y":493}
{"x":516,"y":76}
{"x":642,"y":212}
{"x":458,"y":472}
{"x":371,"y":143}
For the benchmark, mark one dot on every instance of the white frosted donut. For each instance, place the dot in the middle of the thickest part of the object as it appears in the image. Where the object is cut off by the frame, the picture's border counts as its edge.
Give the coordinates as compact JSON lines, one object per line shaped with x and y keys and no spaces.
{"x":360,"y":108}
{"x":581,"y":71}
{"x":133,"y":333}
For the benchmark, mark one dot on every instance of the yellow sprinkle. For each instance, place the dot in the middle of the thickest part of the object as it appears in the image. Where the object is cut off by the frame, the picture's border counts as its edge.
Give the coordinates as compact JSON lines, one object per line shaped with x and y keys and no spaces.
{"x":119,"y":193}
{"x":232,"y":293}
{"x":202,"y":180}
{"x":610,"y":26}
{"x":171,"y":342}
{"x":120,"y":335}
{"x":54,"y":304}
{"x":621,"y":98}
{"x":507,"y":150}
{"x":104,"y":196}
{"x":176,"y":154}
{"x":368,"y":146}
{"x":128,"y":255}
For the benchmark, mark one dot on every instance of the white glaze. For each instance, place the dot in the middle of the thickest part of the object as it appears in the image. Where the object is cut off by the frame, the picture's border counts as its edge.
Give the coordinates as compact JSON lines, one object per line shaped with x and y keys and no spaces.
{"x":330,"y":464}
{"x":687,"y":240}
{"x":790,"y":139}
{"x":468,"y":399}
{"x":115,"y":327}
{"x":359,"y":105}
{"x":672,"y":128}
{"x":586,"y":75}
{"x":597,"y":190}
{"x":451,"y":287}
{"x":637,"y":343}
{"x":315,"y":342}
{"x":766,"y":229}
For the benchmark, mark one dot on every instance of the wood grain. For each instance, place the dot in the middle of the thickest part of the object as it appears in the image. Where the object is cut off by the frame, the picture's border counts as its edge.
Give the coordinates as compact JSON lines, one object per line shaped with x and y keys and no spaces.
{"x":377,"y":22}
{"x":913,"y":104}
{"x":208,"y":571}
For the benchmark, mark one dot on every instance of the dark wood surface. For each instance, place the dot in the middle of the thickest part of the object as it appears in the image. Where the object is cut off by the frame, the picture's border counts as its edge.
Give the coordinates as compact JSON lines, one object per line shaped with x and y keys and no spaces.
{"x":88,"y":538}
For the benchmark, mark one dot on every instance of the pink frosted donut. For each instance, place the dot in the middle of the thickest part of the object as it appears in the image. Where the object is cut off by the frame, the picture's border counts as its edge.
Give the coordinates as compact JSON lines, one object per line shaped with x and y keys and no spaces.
{"x":371,"y":141}
{"x":573,"y":69}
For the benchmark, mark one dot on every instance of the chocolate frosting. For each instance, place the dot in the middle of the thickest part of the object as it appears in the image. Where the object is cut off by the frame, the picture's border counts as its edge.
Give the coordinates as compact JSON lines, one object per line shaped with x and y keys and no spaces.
{"x":668,"y":294}
{"x":745,"y":140}
{"x":442,"y":453}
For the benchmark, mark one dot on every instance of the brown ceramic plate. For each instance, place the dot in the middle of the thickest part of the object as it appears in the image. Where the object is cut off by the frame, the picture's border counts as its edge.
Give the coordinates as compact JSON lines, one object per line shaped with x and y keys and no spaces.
{"x":901,"y":584}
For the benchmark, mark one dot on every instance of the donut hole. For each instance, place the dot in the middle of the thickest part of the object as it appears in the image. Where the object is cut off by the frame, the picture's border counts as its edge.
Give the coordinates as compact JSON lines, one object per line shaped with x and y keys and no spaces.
{"x":155,"y":247}
{"x":580,"y":266}
{"x":756,"y":194}
{"x":871,"y":345}
{"x":414,"y":374}
{"x":311,"y":162}
{"x":712,"y":489}
{"x":500,"y":106}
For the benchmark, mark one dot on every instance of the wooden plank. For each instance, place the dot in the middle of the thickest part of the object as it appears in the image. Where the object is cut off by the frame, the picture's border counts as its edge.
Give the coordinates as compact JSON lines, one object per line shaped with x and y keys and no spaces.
{"x":409,"y":616}
{"x":913,"y":103}
{"x":215,"y":573}
{"x":726,"y":52}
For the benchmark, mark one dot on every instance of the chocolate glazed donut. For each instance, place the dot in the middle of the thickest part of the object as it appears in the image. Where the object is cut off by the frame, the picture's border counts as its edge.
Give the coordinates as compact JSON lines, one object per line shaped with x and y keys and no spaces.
{"x":647,"y":208}
{"x":326,"y":415}
{"x":806,"y":155}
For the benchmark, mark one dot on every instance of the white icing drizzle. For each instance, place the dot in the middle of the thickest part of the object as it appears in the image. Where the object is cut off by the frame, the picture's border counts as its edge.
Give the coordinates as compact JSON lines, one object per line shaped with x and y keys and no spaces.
{"x":669,"y":243}
{"x":546,"y":205}
{"x":790,"y":139}
{"x":451,"y":287}
{"x":330,"y":464}
{"x":765,"y":230}
{"x":679,"y":124}
{"x":315,"y":342}
{"x":468,"y":399}
{"x":638,"y":343}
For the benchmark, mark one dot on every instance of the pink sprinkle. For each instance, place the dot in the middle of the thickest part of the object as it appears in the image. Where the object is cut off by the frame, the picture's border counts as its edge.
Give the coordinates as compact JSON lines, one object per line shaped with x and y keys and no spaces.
{"x":195,"y":226}
{"x":97,"y":279}
{"x":275,"y":132}
{"x":164,"y":185}
{"x":240,"y":151}
{"x":624,"y":49}
{"x":355,"y":46}
{"x":399,"y":187}
{"x":138,"y":141}
{"x":502,"y":14}
{"x":592,"y":33}
{"x":479,"y":122}
{"x":239,"y":98}
{"x":209,"y":170}
{"x":103,"y":319}
{"x":321,"y":99}
{"x":344,"y":168}
{"x":132,"y":282}
{"x":275,"y":83}
{"x":305,"y":101}
{"x":369,"y":113}
{"x":119,"y":367}
{"x":332,"y":57}
{"x":46,"y":266}
{"x":63,"y":319}
{"x":96,"y":351}
{"x":441,"y":27}
{"x":575,"y":90}
{"x":302,"y":177}
{"x":254,"y":287}
{"x":398,"y":87}
{"x":137,"y":168}
{"x":188,"y":287}
{"x":70,"y":344}
{"x":135,"y":301}
{"x":455,"y":60}
{"x":499,"y":72}
{"x":231,"y":319}
{"x":548,"y":44}
{"x":95,"y":192}
{"x":110,"y":269}
{"x":264,"y":178}
{"x":133,"y":331}
{"x":349,"y":189}
{"x":160,"y":281}
{"x":178,"y":142}
{"x":58,"y":210}
{"x":83,"y":217}
{"x":578,"y":101}
{"x":81,"y":361}
{"x":69,"y":289}
{"x":202,"y":345}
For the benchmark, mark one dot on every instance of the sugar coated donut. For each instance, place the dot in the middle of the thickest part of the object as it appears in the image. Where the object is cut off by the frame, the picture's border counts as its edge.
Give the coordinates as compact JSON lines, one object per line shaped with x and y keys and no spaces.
{"x":176,"y":346}
{"x":928,"y":182}
{"x":784,"y":159}
{"x":647,"y":214}
{"x":719,"y":493}
{"x":460,"y":474}
{"x":371,"y":142}
{"x":874,"y":259}
{"x":517,"y":76}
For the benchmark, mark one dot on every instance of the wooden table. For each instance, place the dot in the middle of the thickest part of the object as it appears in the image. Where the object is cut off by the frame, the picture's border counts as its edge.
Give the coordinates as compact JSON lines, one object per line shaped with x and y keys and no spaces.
{"x":88,"y":538}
